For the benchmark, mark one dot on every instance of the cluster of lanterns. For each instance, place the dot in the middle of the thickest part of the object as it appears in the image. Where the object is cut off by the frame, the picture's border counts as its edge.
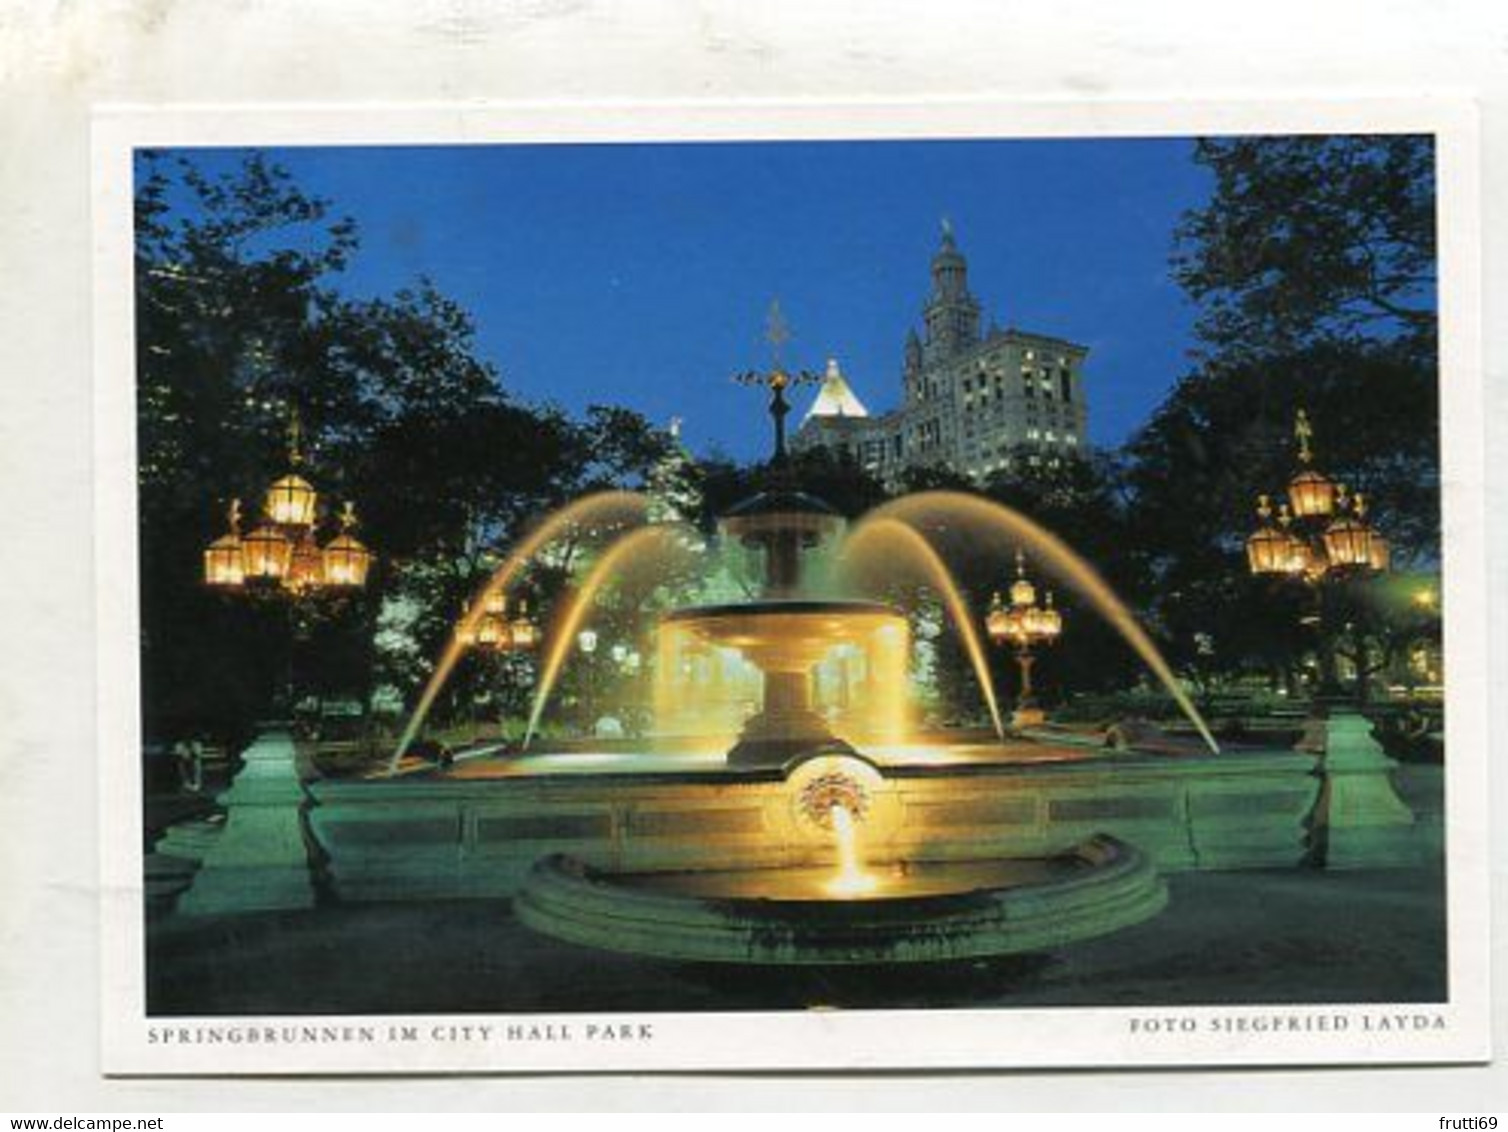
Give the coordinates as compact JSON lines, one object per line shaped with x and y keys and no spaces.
{"x":1320,"y":531}
{"x":496,"y":630}
{"x":1022,"y":622}
{"x":283,"y":552}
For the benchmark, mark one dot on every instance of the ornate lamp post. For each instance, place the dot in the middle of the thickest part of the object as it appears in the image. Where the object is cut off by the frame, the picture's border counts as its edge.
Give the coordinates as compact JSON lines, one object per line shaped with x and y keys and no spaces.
{"x":282,"y":555}
{"x":498,"y":632}
{"x":1024,"y":625}
{"x":1318,"y":536}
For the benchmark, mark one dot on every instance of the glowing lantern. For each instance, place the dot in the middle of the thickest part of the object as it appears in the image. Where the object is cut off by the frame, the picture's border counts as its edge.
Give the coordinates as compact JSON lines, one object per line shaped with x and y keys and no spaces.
{"x":266,"y":555}
{"x":1348,"y":542}
{"x":291,"y":502}
{"x":1023,"y":593}
{"x":523,"y":633}
{"x":998,"y":622}
{"x":466,"y":632}
{"x":1050,"y":620}
{"x":1382,"y":553}
{"x":1311,"y":495}
{"x":223,"y":558}
{"x":346,"y":560}
{"x":496,"y":603}
{"x":491,"y":631}
{"x":306,"y":566}
{"x":1269,"y":550}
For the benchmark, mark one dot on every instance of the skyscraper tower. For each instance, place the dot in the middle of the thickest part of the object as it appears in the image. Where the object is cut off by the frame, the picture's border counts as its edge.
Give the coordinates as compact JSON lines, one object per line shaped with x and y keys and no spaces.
{"x":951,"y":313}
{"x":976,"y":403}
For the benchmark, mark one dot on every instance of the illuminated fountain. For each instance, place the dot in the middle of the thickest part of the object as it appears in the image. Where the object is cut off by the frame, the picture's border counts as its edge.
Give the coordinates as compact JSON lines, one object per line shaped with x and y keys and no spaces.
{"x":844,"y":903}
{"x":766,"y":817}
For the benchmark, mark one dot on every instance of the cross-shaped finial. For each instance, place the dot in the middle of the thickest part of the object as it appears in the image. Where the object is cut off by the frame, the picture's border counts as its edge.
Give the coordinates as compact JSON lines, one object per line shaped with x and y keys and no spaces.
{"x":1303,"y":432}
{"x":295,"y":435}
{"x":777,"y":332}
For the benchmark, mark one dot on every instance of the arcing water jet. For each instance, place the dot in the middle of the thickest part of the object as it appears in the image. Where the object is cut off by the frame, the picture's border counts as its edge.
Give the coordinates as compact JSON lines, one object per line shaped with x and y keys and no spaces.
{"x":1057,"y":558}
{"x":603,"y":507}
{"x":564,"y":635}
{"x":896,"y":535}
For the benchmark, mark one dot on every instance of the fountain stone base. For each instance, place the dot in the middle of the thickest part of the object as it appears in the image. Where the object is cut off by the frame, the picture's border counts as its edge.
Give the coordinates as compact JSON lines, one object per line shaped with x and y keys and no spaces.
{"x":787,"y":916}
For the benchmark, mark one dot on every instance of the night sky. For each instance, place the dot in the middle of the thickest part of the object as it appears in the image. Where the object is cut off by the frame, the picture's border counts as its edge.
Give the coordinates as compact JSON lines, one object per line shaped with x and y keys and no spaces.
{"x":641,"y":274}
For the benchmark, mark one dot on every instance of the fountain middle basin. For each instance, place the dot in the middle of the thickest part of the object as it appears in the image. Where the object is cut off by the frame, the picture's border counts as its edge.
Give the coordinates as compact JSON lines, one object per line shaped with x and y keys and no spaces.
{"x":785,"y":639}
{"x":933,"y":912}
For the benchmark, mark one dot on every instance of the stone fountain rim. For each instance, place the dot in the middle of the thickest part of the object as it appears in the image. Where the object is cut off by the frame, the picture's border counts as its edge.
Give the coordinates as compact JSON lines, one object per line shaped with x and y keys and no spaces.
{"x":783,"y":605}
{"x":567,"y":899}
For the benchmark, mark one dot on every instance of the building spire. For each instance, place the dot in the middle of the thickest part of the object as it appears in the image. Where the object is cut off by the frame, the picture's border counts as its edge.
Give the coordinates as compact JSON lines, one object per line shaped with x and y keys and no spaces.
{"x":951,"y":313}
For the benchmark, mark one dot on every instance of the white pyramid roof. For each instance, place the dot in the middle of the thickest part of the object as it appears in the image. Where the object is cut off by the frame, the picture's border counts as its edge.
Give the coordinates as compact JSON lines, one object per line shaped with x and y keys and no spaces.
{"x":835,"y":398}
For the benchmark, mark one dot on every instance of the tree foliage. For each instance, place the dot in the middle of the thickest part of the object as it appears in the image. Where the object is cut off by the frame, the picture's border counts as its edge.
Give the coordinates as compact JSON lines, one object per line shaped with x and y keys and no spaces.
{"x":1313,"y":265}
{"x":241,"y":320}
{"x":1309,"y":240}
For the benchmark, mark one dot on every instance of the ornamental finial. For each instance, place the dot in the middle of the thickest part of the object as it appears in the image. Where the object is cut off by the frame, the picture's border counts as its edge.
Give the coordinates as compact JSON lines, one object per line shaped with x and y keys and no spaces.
{"x":1303,"y":432}
{"x":295,"y":437}
{"x":777,"y":332}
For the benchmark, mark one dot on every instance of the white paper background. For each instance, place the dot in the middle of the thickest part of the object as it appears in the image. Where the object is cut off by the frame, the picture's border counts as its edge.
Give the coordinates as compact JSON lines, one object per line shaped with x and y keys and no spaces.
{"x":56,"y":60}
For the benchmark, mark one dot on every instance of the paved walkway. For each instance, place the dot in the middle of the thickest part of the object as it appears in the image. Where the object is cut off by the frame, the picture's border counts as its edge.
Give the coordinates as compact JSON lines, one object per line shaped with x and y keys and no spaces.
{"x":1227,"y":938}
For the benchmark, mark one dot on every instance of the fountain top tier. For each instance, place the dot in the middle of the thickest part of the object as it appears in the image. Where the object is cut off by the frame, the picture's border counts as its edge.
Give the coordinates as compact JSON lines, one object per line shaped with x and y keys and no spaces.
{"x":781,"y":520}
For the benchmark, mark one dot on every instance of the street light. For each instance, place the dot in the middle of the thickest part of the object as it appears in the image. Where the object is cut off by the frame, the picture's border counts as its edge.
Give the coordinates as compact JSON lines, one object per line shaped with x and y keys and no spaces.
{"x":1024,"y":625}
{"x":283,"y":554}
{"x":1320,"y":536}
{"x":495,"y":630}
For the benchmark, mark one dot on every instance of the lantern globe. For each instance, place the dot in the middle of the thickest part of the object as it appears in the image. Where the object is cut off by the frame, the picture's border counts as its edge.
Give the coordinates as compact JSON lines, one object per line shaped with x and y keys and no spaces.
{"x":346,"y":562}
{"x":306,"y":566}
{"x":1269,"y":551}
{"x":524,"y":634}
{"x":1052,"y":623}
{"x":224,"y":562}
{"x":496,"y":603}
{"x":1023,"y":592}
{"x":1311,"y":495}
{"x":1381,"y":553}
{"x":266,"y":554}
{"x":490,"y":631}
{"x":291,"y":502}
{"x":996,"y":622}
{"x":1348,"y":543}
{"x":1035,"y":623}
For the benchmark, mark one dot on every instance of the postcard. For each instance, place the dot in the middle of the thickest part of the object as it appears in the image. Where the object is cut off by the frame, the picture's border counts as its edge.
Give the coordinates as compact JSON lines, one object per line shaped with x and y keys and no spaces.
{"x":793,"y":587}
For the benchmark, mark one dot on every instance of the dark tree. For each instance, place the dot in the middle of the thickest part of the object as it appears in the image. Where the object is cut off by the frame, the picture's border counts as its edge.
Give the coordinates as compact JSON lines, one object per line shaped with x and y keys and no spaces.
{"x":240,"y":321}
{"x":1310,"y":240}
{"x":1314,"y":266}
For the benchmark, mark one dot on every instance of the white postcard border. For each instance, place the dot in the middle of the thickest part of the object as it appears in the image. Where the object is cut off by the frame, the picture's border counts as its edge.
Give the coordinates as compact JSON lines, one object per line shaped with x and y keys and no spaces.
{"x":865,"y":1039}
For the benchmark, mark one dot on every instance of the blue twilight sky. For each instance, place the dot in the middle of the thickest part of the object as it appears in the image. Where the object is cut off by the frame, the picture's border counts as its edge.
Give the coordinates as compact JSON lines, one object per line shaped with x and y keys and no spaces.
{"x":641,"y":274}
